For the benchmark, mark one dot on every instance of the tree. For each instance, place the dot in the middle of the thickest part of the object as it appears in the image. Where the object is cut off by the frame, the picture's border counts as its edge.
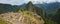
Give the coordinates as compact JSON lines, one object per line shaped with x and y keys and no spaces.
{"x":57,"y":17}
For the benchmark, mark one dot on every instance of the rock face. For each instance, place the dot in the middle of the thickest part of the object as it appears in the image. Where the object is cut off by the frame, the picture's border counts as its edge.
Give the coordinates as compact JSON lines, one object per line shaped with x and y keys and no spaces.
{"x":30,"y":7}
{"x":22,"y":18}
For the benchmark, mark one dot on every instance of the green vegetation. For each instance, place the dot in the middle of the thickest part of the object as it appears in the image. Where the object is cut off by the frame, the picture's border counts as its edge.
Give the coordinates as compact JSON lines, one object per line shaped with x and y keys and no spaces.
{"x":56,"y":17}
{"x":3,"y":21}
{"x":50,"y":22}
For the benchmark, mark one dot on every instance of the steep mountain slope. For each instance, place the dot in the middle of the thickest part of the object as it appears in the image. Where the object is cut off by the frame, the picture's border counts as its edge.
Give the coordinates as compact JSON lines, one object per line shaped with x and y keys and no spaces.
{"x":56,"y":17}
{"x":31,"y":7}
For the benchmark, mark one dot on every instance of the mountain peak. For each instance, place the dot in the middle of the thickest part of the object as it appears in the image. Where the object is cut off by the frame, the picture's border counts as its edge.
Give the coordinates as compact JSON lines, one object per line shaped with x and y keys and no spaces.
{"x":30,"y":6}
{"x":30,"y":2}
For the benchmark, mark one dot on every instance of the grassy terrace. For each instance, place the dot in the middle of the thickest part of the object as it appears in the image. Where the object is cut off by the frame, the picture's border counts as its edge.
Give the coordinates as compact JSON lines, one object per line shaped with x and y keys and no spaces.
{"x":3,"y":21}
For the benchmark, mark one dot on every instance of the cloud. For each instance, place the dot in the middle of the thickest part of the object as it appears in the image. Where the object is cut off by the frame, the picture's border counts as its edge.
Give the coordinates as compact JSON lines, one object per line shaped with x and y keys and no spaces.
{"x":18,"y":2}
{"x":58,"y":0}
{"x":13,"y":2}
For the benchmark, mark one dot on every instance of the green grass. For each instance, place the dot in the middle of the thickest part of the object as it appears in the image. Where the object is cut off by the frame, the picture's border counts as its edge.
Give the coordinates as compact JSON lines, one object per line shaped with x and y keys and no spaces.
{"x":3,"y":21}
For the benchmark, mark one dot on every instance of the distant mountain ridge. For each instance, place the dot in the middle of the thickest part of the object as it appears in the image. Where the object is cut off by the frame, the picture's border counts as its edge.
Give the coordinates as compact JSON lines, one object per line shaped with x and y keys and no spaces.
{"x":50,"y":8}
{"x":4,"y":8}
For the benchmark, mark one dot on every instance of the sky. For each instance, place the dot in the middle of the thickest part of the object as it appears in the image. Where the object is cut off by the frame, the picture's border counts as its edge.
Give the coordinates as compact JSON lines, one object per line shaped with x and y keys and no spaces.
{"x":19,"y":2}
